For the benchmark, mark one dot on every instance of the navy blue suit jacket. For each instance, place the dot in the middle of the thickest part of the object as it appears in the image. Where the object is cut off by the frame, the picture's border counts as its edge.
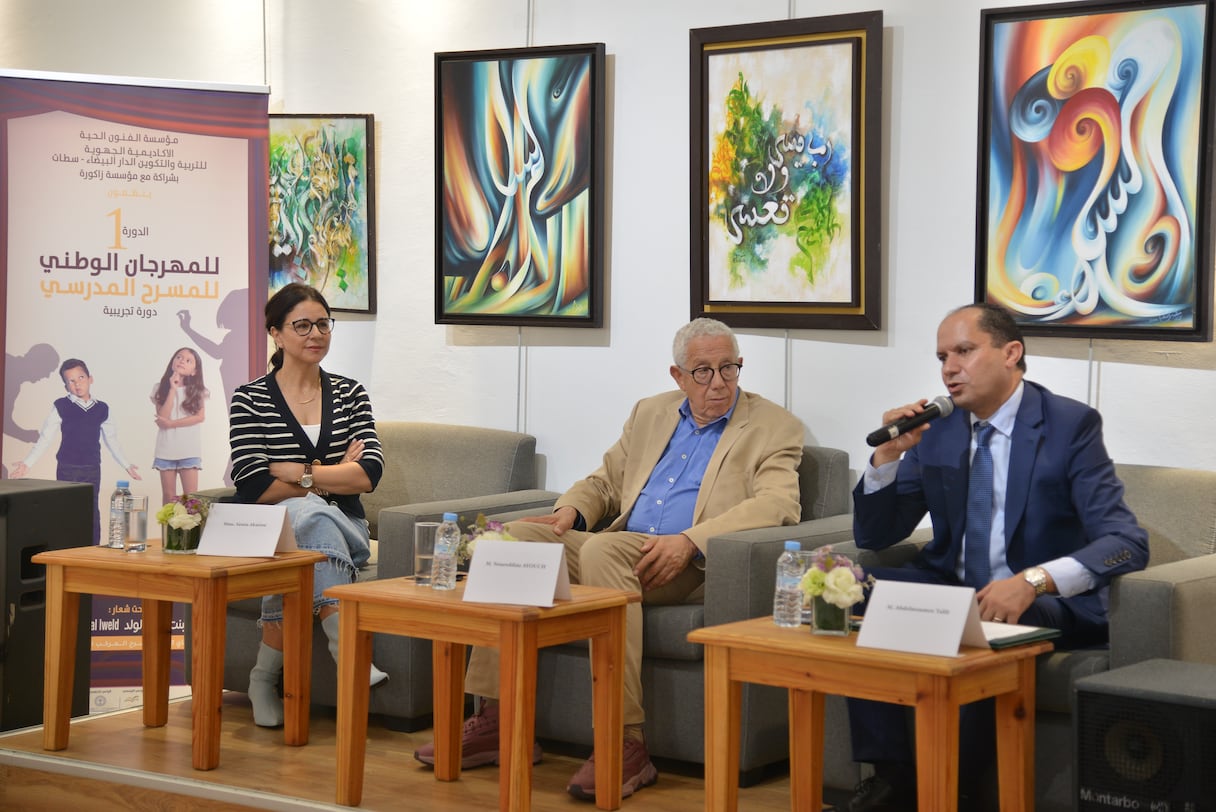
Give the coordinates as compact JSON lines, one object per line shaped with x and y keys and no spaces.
{"x":1063,"y":497}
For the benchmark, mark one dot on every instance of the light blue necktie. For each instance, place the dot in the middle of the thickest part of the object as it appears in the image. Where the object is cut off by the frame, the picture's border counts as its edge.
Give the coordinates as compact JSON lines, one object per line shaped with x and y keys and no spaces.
{"x":978,"y":536}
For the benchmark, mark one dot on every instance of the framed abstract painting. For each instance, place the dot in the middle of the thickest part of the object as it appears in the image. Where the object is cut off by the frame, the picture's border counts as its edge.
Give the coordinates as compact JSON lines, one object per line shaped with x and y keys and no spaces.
{"x":1094,"y":211}
{"x":786,"y":128}
{"x":519,"y":186}
{"x":322,"y":207}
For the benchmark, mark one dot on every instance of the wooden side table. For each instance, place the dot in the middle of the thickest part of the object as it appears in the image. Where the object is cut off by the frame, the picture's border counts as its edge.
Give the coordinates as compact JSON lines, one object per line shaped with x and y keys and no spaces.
{"x":158,"y":580}
{"x":811,"y":666}
{"x":398,"y":606}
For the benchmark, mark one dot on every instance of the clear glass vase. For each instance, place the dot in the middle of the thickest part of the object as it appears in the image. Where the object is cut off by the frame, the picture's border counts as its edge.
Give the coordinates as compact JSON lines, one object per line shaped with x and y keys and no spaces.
{"x":829,"y":619}
{"x":180,"y":539}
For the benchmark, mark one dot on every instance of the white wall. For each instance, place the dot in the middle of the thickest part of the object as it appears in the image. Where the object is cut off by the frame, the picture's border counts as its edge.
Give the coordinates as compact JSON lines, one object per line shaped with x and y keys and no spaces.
{"x":572,"y":388}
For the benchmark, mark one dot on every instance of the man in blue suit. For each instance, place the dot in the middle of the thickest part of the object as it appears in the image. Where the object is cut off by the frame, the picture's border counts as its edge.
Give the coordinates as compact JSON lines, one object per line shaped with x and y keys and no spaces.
{"x":1059,"y":529}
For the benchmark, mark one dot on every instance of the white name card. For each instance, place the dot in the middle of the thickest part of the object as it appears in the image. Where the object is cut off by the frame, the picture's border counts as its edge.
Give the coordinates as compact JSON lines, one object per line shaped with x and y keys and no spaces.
{"x":526,"y":573}
{"x":253,"y":531}
{"x":921,"y":618}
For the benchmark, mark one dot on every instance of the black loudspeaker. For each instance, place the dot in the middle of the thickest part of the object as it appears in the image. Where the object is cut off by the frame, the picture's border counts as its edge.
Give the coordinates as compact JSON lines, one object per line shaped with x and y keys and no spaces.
{"x":1146,"y":738}
{"x":35,"y":516}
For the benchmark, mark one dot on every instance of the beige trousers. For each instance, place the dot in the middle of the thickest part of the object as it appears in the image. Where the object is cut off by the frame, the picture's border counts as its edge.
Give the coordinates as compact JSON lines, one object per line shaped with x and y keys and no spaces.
{"x":596,"y":559}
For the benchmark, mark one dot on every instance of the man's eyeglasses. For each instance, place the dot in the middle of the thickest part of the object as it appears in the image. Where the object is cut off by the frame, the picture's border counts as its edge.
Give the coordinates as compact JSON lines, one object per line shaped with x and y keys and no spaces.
{"x":703,"y":375}
{"x":303,"y":327}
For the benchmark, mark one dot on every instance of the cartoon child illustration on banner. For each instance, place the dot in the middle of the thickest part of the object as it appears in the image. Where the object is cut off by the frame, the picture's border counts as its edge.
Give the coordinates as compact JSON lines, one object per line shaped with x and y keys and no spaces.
{"x":84,"y":423}
{"x":178,"y":398}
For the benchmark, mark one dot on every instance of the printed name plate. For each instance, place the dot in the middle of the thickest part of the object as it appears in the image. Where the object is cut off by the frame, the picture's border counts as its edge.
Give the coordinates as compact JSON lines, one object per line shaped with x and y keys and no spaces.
{"x":921,"y":618}
{"x":251,"y":531}
{"x":528,"y":573}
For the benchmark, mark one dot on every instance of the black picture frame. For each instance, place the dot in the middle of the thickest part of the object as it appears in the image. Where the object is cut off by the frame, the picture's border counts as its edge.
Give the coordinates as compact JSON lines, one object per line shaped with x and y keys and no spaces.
{"x":519,"y":227}
{"x":323,"y":206}
{"x":1094,"y":211}
{"x":786,"y":212}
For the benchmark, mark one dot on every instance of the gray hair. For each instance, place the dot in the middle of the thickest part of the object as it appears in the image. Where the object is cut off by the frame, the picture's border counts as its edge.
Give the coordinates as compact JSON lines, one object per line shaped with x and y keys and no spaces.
{"x":700,"y":328}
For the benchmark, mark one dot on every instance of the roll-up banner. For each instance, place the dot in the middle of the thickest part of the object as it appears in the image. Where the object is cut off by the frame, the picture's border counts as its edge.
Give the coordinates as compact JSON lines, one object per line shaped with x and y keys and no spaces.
{"x":133,"y":265}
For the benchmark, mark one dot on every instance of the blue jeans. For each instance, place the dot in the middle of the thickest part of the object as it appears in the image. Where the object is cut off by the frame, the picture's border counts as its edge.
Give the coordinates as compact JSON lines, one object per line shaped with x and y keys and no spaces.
{"x":324,"y":528}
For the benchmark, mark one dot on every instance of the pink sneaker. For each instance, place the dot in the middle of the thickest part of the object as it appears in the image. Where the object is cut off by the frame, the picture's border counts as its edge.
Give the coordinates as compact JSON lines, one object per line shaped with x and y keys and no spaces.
{"x":478,"y":741}
{"x":636,"y":772}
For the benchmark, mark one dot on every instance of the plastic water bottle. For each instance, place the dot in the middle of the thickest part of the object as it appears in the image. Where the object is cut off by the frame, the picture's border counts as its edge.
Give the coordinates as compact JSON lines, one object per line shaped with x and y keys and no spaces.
{"x":787,"y":600}
{"x":447,"y":545}
{"x":118,"y":515}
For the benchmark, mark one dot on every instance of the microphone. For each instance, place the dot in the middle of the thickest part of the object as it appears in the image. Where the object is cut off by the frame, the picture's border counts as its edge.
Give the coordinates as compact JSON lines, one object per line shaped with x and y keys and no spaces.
{"x":940,"y":406}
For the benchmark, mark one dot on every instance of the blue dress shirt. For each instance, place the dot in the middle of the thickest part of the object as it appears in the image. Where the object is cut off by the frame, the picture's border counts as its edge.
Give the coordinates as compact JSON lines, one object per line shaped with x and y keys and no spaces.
{"x":666,"y":504}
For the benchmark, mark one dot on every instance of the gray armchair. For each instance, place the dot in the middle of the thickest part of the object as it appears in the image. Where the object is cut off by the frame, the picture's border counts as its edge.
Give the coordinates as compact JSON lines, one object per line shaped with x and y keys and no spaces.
{"x":429,"y":468}
{"x":1164,"y":611}
{"x":740,"y":575}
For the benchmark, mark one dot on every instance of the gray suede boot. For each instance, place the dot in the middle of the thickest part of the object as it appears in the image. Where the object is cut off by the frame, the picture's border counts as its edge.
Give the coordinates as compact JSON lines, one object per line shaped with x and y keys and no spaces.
{"x":264,"y":687}
{"x":330,"y":626}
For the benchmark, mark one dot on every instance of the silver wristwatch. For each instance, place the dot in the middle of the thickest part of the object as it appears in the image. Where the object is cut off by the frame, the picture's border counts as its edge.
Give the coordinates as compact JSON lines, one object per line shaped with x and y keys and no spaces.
{"x":306,"y":478}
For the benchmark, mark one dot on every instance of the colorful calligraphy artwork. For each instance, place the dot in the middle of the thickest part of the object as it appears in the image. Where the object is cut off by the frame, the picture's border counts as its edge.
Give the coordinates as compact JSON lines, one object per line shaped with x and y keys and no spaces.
{"x":518,"y":188}
{"x":1094,"y":204}
{"x":779,"y":175}
{"x":321,"y":207}
{"x":785,"y":210}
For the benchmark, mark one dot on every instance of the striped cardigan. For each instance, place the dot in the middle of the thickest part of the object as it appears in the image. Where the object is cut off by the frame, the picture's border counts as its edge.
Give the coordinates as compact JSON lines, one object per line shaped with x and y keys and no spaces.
{"x":262,"y":430}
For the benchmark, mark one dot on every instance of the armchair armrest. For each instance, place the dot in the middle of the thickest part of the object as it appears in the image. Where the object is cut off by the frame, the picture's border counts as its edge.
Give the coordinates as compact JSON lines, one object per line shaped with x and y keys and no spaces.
{"x":397,"y":523}
{"x":1164,"y":611}
{"x":741,"y":568}
{"x":215,"y":494}
{"x":894,"y":556}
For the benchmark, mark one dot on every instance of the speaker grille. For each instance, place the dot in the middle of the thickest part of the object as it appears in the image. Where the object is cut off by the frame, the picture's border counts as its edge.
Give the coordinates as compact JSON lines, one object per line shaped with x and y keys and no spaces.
{"x":37,"y":515}
{"x":1141,"y":753}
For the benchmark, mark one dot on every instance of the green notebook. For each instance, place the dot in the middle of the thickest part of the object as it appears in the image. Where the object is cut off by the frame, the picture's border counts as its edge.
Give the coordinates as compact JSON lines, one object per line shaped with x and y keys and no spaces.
{"x":1004,"y":635}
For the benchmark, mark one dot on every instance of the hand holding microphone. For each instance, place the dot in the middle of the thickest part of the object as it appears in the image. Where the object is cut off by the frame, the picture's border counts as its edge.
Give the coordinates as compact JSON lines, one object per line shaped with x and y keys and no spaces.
{"x":940,"y":406}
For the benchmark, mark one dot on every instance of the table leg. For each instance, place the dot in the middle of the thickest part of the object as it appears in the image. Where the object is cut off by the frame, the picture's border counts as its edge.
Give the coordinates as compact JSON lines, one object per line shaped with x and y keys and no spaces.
{"x":155,"y":618}
{"x":62,"y":616}
{"x":607,"y":716}
{"x":723,"y":700}
{"x":209,"y":627}
{"x":516,"y":715}
{"x":1015,"y":740}
{"x":448,"y":690}
{"x":806,"y":749}
{"x":354,"y":661}
{"x":936,"y":745}
{"x":297,"y":658}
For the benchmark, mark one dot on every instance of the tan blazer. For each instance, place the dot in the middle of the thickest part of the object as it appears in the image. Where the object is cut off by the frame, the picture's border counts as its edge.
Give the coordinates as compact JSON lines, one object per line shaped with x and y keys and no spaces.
{"x":751,"y":480}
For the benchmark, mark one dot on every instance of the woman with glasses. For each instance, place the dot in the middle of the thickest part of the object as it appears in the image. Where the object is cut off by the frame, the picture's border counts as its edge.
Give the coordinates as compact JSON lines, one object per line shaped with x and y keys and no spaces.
{"x":305,"y":438}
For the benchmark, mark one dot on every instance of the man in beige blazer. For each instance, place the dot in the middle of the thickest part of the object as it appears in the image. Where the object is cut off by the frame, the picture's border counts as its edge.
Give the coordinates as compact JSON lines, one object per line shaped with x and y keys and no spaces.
{"x":704,"y":461}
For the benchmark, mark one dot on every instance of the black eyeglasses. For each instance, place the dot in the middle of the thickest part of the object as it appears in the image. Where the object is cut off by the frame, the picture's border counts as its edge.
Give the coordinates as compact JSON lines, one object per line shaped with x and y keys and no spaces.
{"x":303,"y":327}
{"x":703,"y":375}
